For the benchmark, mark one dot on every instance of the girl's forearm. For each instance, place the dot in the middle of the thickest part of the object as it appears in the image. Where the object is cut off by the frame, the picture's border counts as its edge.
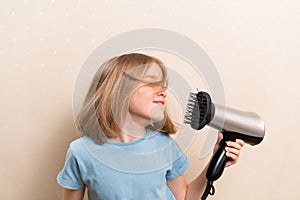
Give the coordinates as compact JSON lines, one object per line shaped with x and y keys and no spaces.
{"x":196,"y":188}
{"x":73,"y":194}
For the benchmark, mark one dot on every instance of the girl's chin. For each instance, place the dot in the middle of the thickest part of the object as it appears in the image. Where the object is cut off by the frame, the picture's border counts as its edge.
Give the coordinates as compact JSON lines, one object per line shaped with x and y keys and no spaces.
{"x":157,"y":114}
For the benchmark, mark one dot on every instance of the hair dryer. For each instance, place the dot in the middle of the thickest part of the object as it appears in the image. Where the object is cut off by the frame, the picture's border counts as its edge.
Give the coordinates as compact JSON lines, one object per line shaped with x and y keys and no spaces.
{"x":234,"y":124}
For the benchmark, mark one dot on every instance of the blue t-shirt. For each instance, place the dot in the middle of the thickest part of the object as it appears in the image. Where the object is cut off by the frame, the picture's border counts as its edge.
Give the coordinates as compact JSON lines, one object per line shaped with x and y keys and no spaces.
{"x":124,"y":171}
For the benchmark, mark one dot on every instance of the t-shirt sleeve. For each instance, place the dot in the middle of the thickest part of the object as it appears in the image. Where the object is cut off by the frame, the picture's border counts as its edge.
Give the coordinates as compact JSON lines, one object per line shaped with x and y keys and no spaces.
{"x":70,"y":177}
{"x":179,"y":166}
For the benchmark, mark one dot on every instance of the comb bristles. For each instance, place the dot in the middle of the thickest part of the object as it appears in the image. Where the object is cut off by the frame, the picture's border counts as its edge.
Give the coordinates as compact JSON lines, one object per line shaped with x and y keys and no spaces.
{"x":192,"y":109}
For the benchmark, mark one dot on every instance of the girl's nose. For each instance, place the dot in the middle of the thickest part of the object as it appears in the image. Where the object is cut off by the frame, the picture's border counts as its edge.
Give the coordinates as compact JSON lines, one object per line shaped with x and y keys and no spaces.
{"x":163,"y":93}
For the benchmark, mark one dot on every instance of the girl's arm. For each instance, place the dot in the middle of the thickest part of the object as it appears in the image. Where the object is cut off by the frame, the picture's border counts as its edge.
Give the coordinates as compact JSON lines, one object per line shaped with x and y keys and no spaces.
{"x":178,"y":187}
{"x":73,"y":194}
{"x":192,"y":191}
{"x":195,"y":189}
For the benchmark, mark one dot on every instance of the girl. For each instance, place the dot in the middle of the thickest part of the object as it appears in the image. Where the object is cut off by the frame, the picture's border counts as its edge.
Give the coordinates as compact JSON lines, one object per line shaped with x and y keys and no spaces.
{"x":125,"y":151}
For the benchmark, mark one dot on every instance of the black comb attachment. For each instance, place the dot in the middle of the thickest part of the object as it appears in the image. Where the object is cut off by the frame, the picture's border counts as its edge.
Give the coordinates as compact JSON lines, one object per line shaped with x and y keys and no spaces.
{"x":199,"y":110}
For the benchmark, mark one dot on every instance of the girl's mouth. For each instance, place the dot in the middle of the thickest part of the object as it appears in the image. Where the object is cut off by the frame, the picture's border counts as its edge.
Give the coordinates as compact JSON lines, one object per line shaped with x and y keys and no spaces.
{"x":159,"y":102}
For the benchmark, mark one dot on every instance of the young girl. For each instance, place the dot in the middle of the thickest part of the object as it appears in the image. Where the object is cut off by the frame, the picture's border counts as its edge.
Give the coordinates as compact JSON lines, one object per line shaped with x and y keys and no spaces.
{"x":125,"y":151}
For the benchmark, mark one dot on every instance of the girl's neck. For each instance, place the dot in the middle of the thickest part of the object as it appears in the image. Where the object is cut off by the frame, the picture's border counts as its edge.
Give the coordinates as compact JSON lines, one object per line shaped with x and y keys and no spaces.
{"x":130,"y":132}
{"x":126,"y":137}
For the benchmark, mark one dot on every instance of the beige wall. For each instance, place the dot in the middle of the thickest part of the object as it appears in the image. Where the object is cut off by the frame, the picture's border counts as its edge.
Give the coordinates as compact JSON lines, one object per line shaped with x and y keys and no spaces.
{"x":254,"y":44}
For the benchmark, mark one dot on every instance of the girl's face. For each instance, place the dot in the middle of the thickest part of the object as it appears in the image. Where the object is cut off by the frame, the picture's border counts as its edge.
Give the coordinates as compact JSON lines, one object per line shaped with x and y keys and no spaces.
{"x":148,"y":102}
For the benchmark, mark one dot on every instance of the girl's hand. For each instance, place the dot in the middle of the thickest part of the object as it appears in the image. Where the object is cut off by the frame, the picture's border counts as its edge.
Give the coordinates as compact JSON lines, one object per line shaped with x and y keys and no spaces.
{"x":233,"y":149}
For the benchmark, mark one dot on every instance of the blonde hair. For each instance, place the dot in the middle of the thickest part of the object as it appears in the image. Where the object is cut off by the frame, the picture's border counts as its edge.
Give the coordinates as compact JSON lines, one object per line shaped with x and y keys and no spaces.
{"x":106,"y":103}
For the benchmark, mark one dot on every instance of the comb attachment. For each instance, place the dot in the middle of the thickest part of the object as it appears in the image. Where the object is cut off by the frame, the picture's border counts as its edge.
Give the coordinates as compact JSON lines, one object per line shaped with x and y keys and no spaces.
{"x":199,"y":110}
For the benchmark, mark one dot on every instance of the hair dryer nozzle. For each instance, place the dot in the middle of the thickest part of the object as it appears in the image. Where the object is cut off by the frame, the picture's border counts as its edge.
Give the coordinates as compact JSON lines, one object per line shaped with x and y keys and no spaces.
{"x":199,"y":110}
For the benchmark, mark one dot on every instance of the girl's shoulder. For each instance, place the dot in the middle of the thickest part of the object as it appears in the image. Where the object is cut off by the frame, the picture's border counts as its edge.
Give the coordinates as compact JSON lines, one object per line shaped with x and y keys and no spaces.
{"x":75,"y":144}
{"x":78,"y":147}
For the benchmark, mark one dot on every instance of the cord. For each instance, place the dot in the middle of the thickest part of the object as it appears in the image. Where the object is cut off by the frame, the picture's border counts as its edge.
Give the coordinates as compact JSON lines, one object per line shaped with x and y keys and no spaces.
{"x":210,"y":189}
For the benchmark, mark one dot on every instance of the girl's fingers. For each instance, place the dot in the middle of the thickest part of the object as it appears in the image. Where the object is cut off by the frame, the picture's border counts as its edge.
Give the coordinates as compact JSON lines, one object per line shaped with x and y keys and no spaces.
{"x":238,"y":144}
{"x":232,"y":151}
{"x":233,"y":158}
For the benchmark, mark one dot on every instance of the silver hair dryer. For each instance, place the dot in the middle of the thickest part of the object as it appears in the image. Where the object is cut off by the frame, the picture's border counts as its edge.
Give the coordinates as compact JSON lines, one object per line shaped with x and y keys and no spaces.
{"x":234,"y":124}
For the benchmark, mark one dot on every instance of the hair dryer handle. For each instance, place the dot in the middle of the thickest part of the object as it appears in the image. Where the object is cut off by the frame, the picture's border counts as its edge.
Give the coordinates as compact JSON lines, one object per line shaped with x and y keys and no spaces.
{"x":215,"y":169}
{"x":217,"y":163}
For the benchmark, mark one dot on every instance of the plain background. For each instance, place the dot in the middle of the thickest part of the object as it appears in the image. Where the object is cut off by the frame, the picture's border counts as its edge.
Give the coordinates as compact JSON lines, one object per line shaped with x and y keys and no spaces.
{"x":255,"y":46}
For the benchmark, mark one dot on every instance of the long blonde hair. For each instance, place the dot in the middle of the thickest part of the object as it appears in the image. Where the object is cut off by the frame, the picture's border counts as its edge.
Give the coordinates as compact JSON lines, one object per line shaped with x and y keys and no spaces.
{"x":107,"y":99}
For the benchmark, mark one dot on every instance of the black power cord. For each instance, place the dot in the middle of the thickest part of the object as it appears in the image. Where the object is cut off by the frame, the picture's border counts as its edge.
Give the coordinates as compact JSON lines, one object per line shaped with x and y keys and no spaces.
{"x":210,"y":189}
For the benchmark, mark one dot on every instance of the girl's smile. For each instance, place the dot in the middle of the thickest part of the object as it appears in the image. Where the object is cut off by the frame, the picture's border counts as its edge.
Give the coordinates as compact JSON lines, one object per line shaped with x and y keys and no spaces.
{"x":160,"y":102}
